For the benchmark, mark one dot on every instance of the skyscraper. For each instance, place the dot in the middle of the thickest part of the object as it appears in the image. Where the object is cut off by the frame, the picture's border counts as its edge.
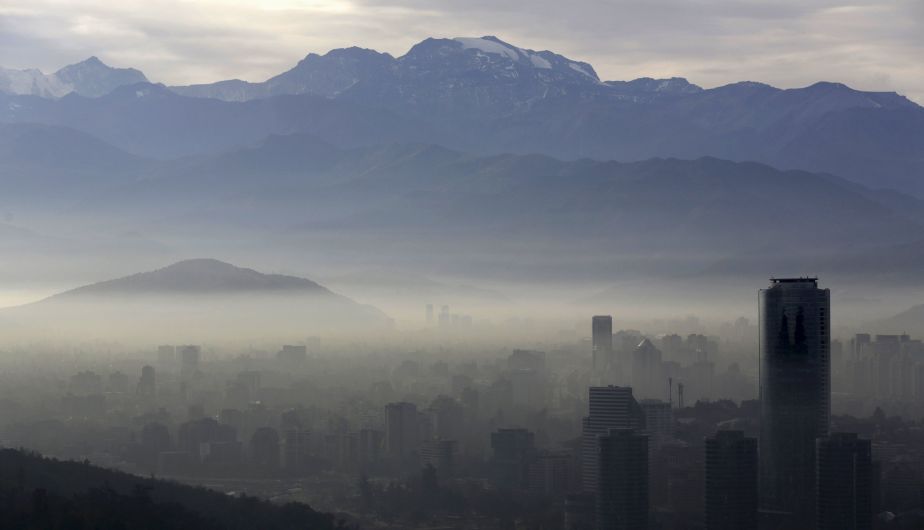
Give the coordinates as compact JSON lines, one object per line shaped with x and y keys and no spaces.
{"x":602,"y":336}
{"x":731,"y":482}
{"x":647,"y":371}
{"x":611,"y":407}
{"x":659,"y":421}
{"x":844,"y":483}
{"x":622,"y":491}
{"x":514,"y":451}
{"x":795,"y":390}
{"x":147,"y":385}
{"x":189,"y":360}
{"x":401,"y":429}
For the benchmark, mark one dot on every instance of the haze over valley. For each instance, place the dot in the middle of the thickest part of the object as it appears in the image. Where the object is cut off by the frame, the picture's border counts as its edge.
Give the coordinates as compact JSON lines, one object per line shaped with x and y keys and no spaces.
{"x":467,"y":162}
{"x":614,"y":265}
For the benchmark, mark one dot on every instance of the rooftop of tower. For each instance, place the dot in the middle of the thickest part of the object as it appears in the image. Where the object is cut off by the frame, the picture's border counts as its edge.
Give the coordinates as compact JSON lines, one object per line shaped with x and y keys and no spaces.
{"x":802,"y":279}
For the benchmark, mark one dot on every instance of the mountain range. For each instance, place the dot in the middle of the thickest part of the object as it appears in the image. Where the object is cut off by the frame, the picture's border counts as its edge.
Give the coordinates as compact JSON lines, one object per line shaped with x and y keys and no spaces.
{"x":469,"y":160}
{"x":486,"y":96}
{"x":91,"y":78}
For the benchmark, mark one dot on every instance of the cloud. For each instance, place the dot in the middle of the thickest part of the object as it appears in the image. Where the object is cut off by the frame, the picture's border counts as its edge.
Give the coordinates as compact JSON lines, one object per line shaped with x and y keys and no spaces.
{"x":869,"y":44}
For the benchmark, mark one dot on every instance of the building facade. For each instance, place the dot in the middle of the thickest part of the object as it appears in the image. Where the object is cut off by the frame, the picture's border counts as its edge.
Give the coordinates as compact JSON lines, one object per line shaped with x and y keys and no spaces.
{"x":795,"y":391}
{"x":731,"y":482}
{"x":844,"y":476}
{"x":622,"y":492}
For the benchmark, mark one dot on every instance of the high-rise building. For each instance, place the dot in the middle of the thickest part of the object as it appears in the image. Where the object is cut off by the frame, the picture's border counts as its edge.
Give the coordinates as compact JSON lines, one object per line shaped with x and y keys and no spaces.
{"x":514,"y":451}
{"x":441,"y":454}
{"x":166,"y":357}
{"x":551,"y":473}
{"x":610,"y":407}
{"x":147,"y":385}
{"x":189,"y":360}
{"x":264,"y":449}
{"x":429,"y":314}
{"x":602,"y":339}
{"x":647,"y":371}
{"x":659,"y":421}
{"x":292,"y":353}
{"x":731,"y":482}
{"x":401,"y":429}
{"x":844,"y":483}
{"x":296,"y":449}
{"x":795,"y":391}
{"x":622,"y":491}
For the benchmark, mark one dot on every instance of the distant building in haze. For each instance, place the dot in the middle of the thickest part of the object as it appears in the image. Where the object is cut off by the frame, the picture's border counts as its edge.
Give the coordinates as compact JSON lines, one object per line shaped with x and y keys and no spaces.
{"x":647,"y":371}
{"x":514,"y":451}
{"x":292,"y":354}
{"x":189,"y":356}
{"x":659,"y":421}
{"x":602,"y":340}
{"x":401,"y":430}
{"x":441,"y":454}
{"x":795,"y":391}
{"x":147,"y":385}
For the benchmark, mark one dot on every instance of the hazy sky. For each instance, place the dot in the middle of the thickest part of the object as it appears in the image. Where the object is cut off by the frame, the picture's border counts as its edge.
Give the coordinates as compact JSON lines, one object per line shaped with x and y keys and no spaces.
{"x":868,"y":44}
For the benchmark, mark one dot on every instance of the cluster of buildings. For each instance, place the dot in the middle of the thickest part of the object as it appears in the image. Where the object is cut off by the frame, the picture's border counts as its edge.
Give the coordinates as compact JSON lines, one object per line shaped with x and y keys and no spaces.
{"x":879,"y":369}
{"x":796,"y":474}
{"x":614,"y":440}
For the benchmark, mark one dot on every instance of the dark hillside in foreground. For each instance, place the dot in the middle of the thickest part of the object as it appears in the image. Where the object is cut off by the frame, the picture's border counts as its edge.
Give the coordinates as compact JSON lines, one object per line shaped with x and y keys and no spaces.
{"x":38,"y":492}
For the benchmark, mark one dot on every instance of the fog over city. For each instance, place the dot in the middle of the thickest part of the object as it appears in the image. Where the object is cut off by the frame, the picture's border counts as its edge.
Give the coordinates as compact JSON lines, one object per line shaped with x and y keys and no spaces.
{"x":403,"y":265}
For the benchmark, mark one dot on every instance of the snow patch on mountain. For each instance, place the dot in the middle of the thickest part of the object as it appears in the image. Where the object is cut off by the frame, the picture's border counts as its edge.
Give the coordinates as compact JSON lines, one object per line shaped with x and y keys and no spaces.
{"x":580,"y":69}
{"x":540,"y":62}
{"x":489,"y":46}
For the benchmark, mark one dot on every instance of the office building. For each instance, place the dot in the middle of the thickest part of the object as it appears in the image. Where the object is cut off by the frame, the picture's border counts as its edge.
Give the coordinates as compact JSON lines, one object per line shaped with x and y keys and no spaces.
{"x":264,"y":450}
{"x":514,"y":450}
{"x":441,"y":455}
{"x":401,"y":430}
{"x":647,"y":371}
{"x":602,"y":340}
{"x":844,"y":481}
{"x":731,"y":482}
{"x":610,"y":407}
{"x":189,"y":356}
{"x":659,"y":421}
{"x":794,"y":391}
{"x":147,"y":385}
{"x":292,"y":354}
{"x":622,"y":490}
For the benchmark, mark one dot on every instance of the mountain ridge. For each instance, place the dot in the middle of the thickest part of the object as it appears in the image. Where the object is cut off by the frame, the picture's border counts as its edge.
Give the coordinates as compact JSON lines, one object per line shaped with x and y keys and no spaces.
{"x":203,"y":299}
{"x":195,"y":277}
{"x":90,"y":77}
{"x":487,"y":96}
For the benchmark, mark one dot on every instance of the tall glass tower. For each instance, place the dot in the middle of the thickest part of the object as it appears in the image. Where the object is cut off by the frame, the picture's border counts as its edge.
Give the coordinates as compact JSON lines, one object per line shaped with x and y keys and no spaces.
{"x":795,"y":391}
{"x":602,"y":336}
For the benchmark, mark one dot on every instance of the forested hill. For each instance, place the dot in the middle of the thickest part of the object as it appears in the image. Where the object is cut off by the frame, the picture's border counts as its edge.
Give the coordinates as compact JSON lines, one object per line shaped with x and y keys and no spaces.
{"x":38,"y":492}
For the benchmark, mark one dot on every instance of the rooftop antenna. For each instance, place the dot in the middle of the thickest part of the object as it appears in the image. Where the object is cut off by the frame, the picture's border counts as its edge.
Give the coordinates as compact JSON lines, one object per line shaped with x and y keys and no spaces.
{"x":670,"y":391}
{"x":680,"y":392}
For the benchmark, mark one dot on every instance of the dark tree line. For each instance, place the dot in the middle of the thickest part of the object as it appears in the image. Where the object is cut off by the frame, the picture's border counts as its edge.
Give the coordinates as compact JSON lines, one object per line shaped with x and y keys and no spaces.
{"x":44,"y":493}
